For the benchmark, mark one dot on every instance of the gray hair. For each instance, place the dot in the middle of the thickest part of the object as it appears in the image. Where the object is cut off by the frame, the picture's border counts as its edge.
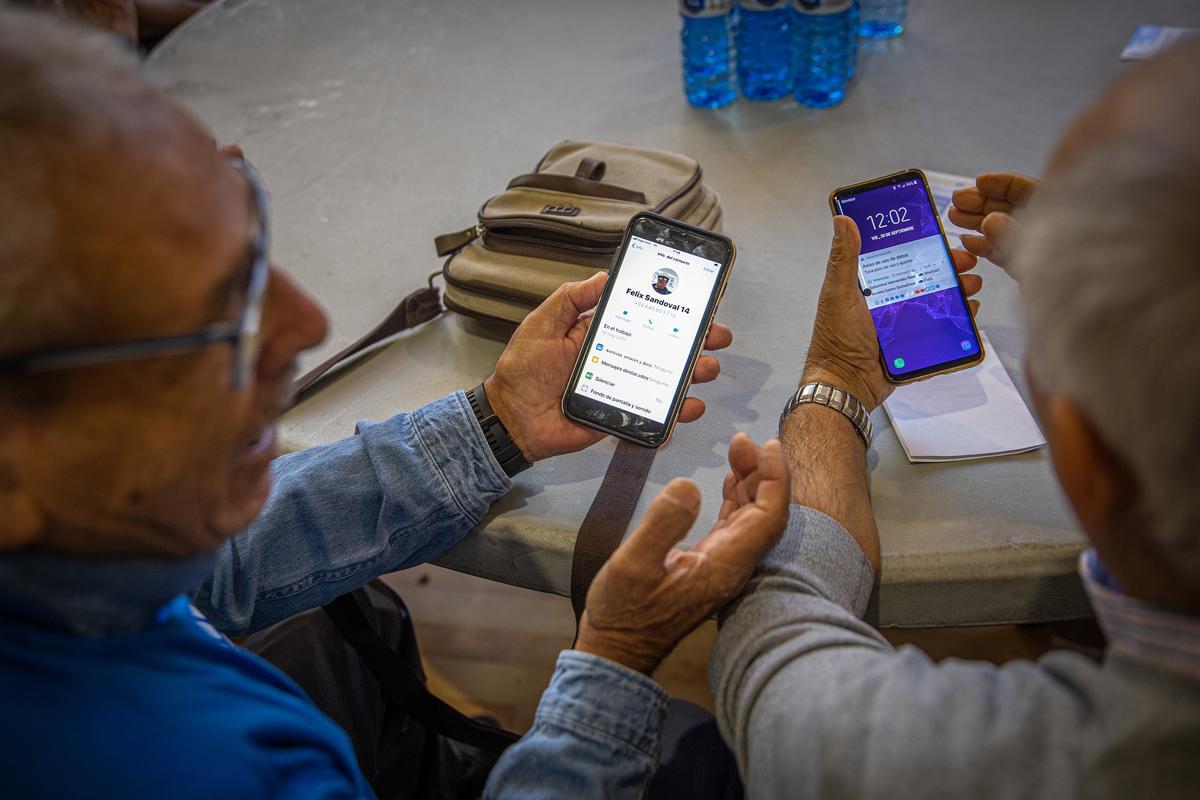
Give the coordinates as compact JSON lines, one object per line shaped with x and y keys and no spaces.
{"x":1110,"y":273}
{"x":52,"y":75}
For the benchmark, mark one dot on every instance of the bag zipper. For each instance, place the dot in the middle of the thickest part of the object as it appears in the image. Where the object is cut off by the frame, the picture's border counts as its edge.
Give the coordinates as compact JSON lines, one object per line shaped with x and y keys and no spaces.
{"x":450,"y":243}
{"x":687,"y":187}
{"x":457,"y":284}
{"x":552,"y":244}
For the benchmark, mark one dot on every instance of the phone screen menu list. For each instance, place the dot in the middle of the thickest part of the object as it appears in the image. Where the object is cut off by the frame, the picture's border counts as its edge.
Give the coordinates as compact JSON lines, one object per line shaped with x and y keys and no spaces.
{"x":908,"y":279}
{"x":644,"y":336}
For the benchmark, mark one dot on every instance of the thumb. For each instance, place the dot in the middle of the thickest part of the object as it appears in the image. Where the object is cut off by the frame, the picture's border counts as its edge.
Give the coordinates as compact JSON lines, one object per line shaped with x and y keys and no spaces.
{"x":667,"y":520}
{"x":561,"y":310}
{"x":842,"y":272}
{"x":999,"y":227}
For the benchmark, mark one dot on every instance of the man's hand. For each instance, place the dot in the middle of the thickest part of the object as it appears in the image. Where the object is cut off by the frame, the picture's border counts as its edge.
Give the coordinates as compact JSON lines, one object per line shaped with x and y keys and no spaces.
{"x":988,"y":208}
{"x":527,"y":387}
{"x":844,"y":350}
{"x":650,"y":595}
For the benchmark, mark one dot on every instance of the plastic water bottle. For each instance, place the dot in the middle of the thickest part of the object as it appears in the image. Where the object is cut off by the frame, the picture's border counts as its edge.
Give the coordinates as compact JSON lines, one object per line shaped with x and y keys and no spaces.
{"x":764,"y":40}
{"x":882,"y":19}
{"x":821,"y":40}
{"x":708,"y":74}
{"x":852,"y":22}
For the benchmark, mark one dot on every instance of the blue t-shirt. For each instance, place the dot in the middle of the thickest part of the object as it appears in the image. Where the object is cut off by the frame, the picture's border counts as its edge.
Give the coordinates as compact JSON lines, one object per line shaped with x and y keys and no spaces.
{"x":171,"y":709}
{"x":174,"y":710}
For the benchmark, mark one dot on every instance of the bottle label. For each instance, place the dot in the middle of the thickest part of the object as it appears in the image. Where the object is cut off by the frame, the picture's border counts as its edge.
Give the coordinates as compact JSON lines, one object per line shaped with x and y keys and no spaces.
{"x":704,"y":8}
{"x":816,"y":7}
{"x":763,"y":5}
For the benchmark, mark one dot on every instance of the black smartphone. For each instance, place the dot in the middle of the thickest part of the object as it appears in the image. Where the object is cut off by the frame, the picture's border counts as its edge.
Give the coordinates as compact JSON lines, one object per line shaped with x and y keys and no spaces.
{"x":905,"y":271}
{"x":636,"y":364}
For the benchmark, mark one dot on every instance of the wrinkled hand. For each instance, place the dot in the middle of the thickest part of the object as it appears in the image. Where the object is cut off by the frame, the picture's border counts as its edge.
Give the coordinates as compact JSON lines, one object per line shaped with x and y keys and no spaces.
{"x":650,"y":595}
{"x":844,"y":350}
{"x":527,"y":387}
{"x":988,"y":207}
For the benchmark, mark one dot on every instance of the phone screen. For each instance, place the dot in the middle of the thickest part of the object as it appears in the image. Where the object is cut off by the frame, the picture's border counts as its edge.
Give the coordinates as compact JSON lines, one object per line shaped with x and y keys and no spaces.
{"x":906,"y":273}
{"x":644,"y":336}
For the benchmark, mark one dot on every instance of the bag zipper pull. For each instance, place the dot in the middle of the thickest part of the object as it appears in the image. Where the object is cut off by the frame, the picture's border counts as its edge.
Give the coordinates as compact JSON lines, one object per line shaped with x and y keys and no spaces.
{"x":449,"y":243}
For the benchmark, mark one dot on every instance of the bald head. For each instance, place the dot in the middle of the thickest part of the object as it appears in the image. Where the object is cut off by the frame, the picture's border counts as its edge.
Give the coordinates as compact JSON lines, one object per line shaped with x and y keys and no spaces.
{"x":111,"y":195}
{"x":1148,"y":105}
{"x":1111,"y":279}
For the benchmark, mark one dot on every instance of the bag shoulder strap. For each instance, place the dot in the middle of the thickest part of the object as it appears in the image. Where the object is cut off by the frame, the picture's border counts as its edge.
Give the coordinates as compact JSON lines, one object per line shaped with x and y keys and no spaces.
{"x":608,"y":517}
{"x":421,"y":306}
{"x":404,"y":687}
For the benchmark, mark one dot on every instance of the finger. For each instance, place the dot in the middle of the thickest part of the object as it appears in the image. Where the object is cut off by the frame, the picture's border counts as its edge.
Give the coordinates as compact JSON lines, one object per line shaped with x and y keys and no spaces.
{"x":232,"y":151}
{"x":977,"y":245}
{"x":842,"y":271}
{"x":560,"y":310}
{"x":1006,"y":187}
{"x":997,"y":226}
{"x":774,"y":489}
{"x":707,"y":369}
{"x":719,"y":337}
{"x":974,"y":307}
{"x":729,"y":487}
{"x":743,"y":455}
{"x":747,"y":490}
{"x":693,"y":408}
{"x":975,"y":207}
{"x":964,"y":219}
{"x":668,"y":519}
{"x":747,"y":535}
{"x":729,"y":502}
{"x":971,"y":284}
{"x":968,"y":199}
{"x":963,"y":261}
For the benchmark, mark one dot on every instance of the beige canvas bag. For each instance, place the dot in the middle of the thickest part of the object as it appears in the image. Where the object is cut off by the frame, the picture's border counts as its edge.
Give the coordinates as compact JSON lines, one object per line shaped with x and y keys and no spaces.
{"x":564,"y":222}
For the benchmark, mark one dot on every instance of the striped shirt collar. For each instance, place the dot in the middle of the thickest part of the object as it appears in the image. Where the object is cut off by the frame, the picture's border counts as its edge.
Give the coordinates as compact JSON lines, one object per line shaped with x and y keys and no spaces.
{"x":1140,"y":629}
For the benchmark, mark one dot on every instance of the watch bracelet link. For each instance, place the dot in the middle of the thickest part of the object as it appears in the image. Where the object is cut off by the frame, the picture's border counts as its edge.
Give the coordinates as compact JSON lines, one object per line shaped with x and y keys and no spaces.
{"x":824,"y":394}
{"x":507,"y":454}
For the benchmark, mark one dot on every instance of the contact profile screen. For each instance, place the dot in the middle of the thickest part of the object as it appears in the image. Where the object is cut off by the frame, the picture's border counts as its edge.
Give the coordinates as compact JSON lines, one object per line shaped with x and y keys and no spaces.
{"x":639,"y":352}
{"x":908,"y":279}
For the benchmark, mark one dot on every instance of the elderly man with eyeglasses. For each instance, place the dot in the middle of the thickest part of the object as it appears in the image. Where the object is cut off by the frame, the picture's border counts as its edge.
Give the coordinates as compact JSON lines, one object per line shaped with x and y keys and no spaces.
{"x":147,"y":347}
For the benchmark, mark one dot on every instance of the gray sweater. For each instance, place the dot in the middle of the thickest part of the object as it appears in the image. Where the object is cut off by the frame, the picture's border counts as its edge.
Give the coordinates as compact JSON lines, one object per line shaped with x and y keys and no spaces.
{"x":815,"y":703}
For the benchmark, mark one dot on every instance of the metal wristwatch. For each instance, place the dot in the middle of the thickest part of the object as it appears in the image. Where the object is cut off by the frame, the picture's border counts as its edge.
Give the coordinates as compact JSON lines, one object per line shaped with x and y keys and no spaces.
{"x":824,"y":394}
{"x":503,"y":447}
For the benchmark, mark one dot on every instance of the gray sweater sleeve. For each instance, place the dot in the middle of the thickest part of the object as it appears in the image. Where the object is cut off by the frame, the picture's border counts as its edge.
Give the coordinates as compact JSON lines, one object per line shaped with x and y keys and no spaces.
{"x":817,"y":704}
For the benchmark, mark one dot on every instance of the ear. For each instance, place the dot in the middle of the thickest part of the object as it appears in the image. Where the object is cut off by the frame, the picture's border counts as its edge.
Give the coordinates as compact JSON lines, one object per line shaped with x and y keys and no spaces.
{"x":21,"y":520}
{"x":1099,"y":485}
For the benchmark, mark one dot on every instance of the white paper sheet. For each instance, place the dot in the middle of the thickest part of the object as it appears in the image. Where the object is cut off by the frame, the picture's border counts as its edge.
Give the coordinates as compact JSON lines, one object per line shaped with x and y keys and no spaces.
{"x":975,"y":413}
{"x":943,"y":185}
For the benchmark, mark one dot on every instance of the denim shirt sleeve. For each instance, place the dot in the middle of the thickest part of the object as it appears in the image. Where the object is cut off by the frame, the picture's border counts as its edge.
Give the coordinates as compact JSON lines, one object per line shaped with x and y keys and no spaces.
{"x":597,"y":733}
{"x":396,"y":494}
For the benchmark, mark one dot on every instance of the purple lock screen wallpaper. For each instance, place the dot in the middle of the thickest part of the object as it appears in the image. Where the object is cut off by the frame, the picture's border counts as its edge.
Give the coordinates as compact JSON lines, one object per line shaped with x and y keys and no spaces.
{"x":928,"y":323}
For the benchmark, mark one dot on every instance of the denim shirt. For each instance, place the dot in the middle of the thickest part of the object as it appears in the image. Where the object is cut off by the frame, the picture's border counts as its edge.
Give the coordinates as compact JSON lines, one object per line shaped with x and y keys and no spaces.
{"x":398,"y":494}
{"x":107,"y":654}
{"x":597,"y":733}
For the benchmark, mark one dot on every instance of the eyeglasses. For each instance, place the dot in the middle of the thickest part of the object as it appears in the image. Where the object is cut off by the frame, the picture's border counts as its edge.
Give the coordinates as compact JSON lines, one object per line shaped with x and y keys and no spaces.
{"x":243,"y":334}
